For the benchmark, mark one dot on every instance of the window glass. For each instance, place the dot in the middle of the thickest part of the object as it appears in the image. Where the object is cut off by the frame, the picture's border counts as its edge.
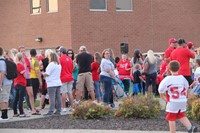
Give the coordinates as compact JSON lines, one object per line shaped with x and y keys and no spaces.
{"x":52,"y":5}
{"x":124,"y":5}
{"x":35,"y":6}
{"x":98,"y":4}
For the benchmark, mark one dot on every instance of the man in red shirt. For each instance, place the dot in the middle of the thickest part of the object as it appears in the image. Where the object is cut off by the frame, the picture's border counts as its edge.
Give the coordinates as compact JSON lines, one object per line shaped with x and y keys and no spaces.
{"x":183,"y":55}
{"x":172,"y":46}
{"x":66,"y":78}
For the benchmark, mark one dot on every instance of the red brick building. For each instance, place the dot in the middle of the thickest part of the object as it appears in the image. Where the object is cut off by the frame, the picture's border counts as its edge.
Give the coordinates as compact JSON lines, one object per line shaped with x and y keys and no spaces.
{"x":144,"y":24}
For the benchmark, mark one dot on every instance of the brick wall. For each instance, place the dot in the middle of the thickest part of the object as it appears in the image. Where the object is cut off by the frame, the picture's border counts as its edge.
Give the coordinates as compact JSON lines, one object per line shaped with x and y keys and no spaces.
{"x":19,"y":27}
{"x":148,"y":26}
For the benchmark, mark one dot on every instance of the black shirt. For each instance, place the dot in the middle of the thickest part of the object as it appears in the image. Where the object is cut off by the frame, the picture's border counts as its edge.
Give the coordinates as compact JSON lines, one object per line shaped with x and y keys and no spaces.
{"x":84,"y":61}
{"x":136,"y":76}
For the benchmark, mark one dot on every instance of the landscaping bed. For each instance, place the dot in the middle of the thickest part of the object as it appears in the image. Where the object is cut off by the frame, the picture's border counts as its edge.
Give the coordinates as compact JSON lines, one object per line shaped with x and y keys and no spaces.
{"x":107,"y":122}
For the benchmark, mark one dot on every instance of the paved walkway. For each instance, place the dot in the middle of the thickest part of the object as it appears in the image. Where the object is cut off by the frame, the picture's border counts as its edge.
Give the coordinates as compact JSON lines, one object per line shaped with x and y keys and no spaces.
{"x":44,"y":111}
{"x":76,"y":131}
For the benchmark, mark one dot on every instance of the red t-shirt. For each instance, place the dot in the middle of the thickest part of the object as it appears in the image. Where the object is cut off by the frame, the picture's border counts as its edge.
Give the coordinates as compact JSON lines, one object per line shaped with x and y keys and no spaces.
{"x":95,"y":74}
{"x":121,"y":67}
{"x":67,"y":69}
{"x":169,"y":51}
{"x":183,"y":55}
{"x":40,"y":58}
{"x":163,"y":67}
{"x":20,"y":79}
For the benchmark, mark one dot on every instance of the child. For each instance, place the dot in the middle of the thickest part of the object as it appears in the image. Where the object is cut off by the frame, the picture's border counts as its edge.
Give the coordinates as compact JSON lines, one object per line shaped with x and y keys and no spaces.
{"x":175,"y":87}
{"x":137,"y":84}
{"x":196,"y":84}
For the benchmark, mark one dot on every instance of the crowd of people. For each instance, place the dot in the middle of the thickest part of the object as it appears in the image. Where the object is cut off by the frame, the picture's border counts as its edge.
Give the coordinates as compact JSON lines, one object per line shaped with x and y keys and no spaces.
{"x":62,"y":74}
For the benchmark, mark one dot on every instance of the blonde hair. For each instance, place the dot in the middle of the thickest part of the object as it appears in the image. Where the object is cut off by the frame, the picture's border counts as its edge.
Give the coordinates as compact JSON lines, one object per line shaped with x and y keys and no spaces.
{"x":48,"y":52}
{"x":53,"y":58}
{"x":151,"y":57}
{"x":18,"y":57}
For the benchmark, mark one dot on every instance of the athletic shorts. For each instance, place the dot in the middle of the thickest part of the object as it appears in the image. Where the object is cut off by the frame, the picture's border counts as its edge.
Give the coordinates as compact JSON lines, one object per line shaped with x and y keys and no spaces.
{"x":28,"y":82}
{"x":174,"y":116}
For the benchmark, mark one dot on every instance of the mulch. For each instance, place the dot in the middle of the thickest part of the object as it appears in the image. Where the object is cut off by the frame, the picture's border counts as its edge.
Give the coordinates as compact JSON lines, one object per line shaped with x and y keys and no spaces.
{"x":107,"y":123}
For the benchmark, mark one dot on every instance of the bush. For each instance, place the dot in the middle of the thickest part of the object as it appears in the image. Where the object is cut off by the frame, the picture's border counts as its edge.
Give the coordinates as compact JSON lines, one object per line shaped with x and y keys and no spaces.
{"x":90,"y":110}
{"x":139,"y":107}
{"x":193,"y":107}
{"x":195,"y":112}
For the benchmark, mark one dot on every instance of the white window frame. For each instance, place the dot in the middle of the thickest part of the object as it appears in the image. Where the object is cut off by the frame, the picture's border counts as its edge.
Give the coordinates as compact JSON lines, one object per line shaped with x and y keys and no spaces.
{"x":32,"y":8}
{"x":99,"y":9}
{"x":121,"y":10}
{"x":47,"y":7}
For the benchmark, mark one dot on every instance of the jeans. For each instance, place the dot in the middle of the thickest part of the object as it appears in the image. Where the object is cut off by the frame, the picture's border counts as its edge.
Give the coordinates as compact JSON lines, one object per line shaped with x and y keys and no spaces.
{"x":126,"y":83}
{"x":97,"y":89}
{"x":12,"y":96}
{"x":107,"y":94}
{"x":54,"y":99}
{"x":151,"y":79}
{"x":19,"y":98}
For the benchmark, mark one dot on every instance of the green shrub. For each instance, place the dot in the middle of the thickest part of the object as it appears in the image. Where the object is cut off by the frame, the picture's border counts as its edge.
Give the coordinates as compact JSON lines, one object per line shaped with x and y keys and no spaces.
{"x":193,"y":107}
{"x":90,"y":110}
{"x":139,"y":107}
{"x":195,"y":112}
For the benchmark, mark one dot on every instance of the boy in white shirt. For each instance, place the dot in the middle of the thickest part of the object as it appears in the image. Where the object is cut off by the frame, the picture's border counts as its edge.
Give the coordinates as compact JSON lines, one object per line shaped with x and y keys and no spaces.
{"x":175,"y":87}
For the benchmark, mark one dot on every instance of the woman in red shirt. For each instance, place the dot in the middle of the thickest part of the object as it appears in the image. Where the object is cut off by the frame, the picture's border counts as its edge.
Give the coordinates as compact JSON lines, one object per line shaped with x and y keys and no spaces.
{"x":20,"y":86}
{"x":124,"y":68}
{"x":95,"y":75}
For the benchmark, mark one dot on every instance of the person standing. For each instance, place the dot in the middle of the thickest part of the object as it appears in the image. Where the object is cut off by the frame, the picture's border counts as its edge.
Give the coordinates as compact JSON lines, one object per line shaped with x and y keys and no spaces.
{"x":124,"y":68}
{"x":35,"y":73}
{"x":52,"y":77}
{"x":20,"y":86}
{"x":95,"y":75}
{"x":183,"y":55}
{"x":106,"y":77}
{"x":5,"y":86}
{"x":66,"y":78}
{"x":84,"y":61}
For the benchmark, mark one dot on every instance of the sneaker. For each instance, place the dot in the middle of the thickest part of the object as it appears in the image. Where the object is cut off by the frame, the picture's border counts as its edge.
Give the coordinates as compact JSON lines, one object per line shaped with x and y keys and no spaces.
{"x":23,"y":116}
{"x":112,"y":105}
{"x":48,"y":114}
{"x":64,"y":110}
{"x":71,"y":109}
{"x":15,"y":115}
{"x":193,"y":129}
{"x":56,"y":113}
{"x":3,"y":120}
{"x":95,"y":102}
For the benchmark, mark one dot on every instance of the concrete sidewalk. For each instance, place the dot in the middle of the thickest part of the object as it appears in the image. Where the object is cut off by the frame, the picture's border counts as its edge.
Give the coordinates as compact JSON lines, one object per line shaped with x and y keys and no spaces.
{"x":76,"y":131}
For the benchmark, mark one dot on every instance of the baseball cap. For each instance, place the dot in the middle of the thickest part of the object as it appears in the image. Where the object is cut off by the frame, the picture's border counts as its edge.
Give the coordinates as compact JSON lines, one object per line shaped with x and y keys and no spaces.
{"x":172,"y":40}
{"x":181,"y":41}
{"x":83,"y":48}
{"x":190,"y":44}
{"x":63,"y":50}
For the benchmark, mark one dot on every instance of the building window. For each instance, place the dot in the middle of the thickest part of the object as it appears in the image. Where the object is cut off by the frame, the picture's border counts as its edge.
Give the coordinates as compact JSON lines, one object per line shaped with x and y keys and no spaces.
{"x":98,"y":5}
{"x":35,"y":6}
{"x":124,"y":5}
{"x":52,"y":5}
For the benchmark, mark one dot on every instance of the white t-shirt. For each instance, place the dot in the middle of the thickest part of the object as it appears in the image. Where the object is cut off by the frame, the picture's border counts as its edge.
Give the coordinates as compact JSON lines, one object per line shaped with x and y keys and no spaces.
{"x":197,"y":74}
{"x":176,"y":92}
{"x":53,"y":70}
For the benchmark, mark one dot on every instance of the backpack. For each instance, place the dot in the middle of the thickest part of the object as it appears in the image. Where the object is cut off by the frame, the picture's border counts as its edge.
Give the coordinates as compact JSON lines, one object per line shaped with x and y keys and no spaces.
{"x":11,"y":69}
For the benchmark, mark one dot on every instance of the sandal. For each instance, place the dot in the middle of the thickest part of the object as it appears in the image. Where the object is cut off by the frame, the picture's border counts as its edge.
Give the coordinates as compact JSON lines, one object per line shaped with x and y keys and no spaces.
{"x":36,"y":113}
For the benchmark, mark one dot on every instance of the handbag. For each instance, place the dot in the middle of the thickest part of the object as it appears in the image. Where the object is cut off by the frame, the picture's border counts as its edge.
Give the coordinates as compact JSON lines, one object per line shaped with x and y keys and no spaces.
{"x":146,"y":67}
